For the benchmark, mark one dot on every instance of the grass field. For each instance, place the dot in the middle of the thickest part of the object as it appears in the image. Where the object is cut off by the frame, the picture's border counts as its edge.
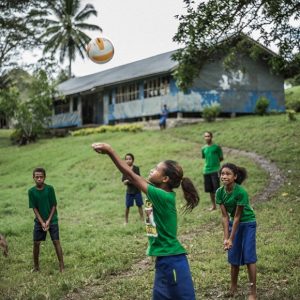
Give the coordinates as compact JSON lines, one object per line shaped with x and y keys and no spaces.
{"x":99,"y":251}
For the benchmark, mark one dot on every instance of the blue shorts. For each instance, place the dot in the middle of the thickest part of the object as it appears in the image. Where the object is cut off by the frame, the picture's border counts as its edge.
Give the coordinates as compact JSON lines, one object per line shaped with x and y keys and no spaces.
{"x":243,"y":251}
{"x":40,"y":235}
{"x":173,"y":279}
{"x":131,"y":197}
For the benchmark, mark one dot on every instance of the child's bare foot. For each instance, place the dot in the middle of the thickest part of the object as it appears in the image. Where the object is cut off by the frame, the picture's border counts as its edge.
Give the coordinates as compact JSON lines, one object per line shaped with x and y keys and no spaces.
{"x":212,"y":208}
{"x":35,"y":269}
{"x":231,"y":293}
{"x":252,"y":294}
{"x":61,"y":267}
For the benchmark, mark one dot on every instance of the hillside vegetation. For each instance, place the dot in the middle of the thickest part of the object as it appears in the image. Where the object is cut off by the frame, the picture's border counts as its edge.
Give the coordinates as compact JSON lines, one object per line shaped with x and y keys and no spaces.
{"x":292,"y":98}
{"x":100,"y":251}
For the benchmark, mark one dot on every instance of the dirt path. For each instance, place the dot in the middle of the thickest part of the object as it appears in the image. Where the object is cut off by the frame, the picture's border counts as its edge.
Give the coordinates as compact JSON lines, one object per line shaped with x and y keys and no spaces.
{"x":276,"y":180}
{"x":276,"y":177}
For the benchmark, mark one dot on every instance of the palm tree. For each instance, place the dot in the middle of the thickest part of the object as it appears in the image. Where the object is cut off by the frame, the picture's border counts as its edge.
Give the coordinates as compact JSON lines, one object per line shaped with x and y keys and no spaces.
{"x":64,"y":33}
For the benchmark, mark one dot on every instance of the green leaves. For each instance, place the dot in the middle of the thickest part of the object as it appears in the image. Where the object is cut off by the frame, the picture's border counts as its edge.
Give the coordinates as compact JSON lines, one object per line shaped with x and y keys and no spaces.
{"x":30,"y":107}
{"x":207,"y":26}
{"x":65,"y":35}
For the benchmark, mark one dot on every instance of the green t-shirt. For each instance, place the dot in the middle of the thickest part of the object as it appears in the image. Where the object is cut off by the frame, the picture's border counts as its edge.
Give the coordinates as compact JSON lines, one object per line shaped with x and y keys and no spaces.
{"x":161,"y":223}
{"x":43,"y":200}
{"x":212,"y":155}
{"x":238,"y":196}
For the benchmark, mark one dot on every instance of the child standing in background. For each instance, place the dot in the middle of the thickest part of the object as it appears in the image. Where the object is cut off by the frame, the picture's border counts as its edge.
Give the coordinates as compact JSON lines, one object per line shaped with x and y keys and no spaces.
{"x":239,"y":224}
{"x":132,"y":192}
{"x":173,"y":278}
{"x":213,"y":155}
{"x":43,"y":201}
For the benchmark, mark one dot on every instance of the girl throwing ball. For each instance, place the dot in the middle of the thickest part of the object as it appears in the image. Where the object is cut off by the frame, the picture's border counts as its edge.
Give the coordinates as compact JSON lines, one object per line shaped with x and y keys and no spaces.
{"x":172,"y":276}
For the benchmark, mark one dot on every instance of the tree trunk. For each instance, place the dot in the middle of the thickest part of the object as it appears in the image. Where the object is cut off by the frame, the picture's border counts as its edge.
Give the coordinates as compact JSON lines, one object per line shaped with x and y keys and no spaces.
{"x":70,"y":66}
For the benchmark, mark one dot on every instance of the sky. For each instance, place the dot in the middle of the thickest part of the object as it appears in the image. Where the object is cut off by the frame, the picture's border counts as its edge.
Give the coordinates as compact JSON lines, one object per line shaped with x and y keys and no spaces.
{"x":137,"y":28}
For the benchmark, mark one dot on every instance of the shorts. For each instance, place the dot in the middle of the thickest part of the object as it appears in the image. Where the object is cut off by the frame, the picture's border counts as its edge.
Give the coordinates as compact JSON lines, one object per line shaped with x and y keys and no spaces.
{"x":137,"y":197}
{"x":211,"y":182}
{"x":173,"y":279}
{"x":40,"y":235}
{"x":243,"y":251}
{"x":162,"y":121}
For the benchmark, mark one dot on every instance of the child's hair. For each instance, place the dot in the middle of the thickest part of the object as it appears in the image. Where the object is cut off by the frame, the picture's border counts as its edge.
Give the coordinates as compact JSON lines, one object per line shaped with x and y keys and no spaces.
{"x":210,"y":133}
{"x":175,"y":173}
{"x":40,"y":170}
{"x":131,"y":155}
{"x":239,"y":171}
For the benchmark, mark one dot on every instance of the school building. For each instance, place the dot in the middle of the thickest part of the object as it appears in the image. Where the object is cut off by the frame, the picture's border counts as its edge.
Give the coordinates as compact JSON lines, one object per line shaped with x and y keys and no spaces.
{"x":138,"y":91}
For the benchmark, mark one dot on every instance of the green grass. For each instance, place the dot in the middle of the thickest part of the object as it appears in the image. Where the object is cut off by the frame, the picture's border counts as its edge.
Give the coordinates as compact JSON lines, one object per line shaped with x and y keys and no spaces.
{"x":293,"y":93}
{"x":292,"y":98}
{"x":97,"y":247}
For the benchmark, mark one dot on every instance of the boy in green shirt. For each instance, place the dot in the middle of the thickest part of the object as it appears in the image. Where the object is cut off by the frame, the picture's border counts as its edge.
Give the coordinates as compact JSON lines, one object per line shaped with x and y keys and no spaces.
{"x":43,"y":202}
{"x":213,"y":155}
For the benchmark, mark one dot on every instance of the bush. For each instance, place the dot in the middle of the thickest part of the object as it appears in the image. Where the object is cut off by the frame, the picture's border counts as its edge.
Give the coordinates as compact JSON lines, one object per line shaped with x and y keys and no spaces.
{"x":108,"y":128}
{"x":261,"y":106}
{"x":293,"y":104}
{"x":211,"y":112}
{"x":19,"y":138}
{"x":291,"y":114}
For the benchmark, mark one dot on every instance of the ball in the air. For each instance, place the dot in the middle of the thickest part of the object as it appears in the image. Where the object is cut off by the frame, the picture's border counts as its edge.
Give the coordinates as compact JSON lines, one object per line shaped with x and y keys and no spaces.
{"x":100,"y":50}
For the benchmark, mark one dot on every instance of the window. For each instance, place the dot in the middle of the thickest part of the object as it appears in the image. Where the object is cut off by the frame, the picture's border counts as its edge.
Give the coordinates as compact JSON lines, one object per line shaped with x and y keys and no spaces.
{"x":61,"y":106}
{"x":75,"y":103}
{"x":157,"y":87}
{"x":127,"y":93}
{"x":110,"y":97}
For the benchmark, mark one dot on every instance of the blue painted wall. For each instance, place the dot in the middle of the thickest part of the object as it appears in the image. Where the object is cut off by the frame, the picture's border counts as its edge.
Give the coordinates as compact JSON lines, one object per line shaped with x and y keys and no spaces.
{"x":236,"y":91}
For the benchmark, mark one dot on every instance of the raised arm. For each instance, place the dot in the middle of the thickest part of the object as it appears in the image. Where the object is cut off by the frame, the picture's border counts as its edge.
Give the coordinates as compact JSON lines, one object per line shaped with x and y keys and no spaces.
{"x":134,"y":179}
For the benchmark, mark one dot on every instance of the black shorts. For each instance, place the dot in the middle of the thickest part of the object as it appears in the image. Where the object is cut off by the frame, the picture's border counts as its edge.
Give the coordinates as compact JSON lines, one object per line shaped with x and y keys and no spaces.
{"x":211,"y":182}
{"x":40,"y":235}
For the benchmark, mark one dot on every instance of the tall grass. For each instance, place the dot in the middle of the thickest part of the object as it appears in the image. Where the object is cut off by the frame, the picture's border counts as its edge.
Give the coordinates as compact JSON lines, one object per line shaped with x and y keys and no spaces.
{"x":99,"y":251}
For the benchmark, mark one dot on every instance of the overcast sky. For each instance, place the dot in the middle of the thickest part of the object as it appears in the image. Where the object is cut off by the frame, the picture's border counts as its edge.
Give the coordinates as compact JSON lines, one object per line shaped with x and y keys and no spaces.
{"x":137,"y":29}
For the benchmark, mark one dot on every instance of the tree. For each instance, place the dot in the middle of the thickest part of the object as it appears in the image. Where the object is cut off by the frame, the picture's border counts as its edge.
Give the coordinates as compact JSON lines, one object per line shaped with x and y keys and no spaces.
{"x":30,"y":109}
{"x":33,"y":115}
{"x":19,"y":28}
{"x":65,"y":34}
{"x":207,"y":26}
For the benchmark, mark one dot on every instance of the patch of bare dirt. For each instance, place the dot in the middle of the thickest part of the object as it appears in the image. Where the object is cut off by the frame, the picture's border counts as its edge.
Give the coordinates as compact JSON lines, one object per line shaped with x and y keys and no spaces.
{"x":276,"y":177}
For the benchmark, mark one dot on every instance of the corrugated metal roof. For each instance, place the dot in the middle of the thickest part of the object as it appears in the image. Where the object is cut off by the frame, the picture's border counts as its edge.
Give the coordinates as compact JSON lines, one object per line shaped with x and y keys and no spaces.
{"x":157,"y":64}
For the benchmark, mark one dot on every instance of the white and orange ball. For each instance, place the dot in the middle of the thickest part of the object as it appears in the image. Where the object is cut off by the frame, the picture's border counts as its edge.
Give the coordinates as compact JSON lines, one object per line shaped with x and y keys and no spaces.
{"x":100,"y":50}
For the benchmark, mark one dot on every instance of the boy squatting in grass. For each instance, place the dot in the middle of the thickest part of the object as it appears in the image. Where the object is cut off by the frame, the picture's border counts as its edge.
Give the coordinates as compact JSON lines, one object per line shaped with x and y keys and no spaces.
{"x":132,"y":192}
{"x":240,"y":230}
{"x":43,"y":201}
{"x":213,"y":155}
{"x":172,"y":275}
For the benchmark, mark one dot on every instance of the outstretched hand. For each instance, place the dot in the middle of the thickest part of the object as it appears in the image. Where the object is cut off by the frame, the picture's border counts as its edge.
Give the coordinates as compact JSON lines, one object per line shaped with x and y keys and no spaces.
{"x":102,"y":148}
